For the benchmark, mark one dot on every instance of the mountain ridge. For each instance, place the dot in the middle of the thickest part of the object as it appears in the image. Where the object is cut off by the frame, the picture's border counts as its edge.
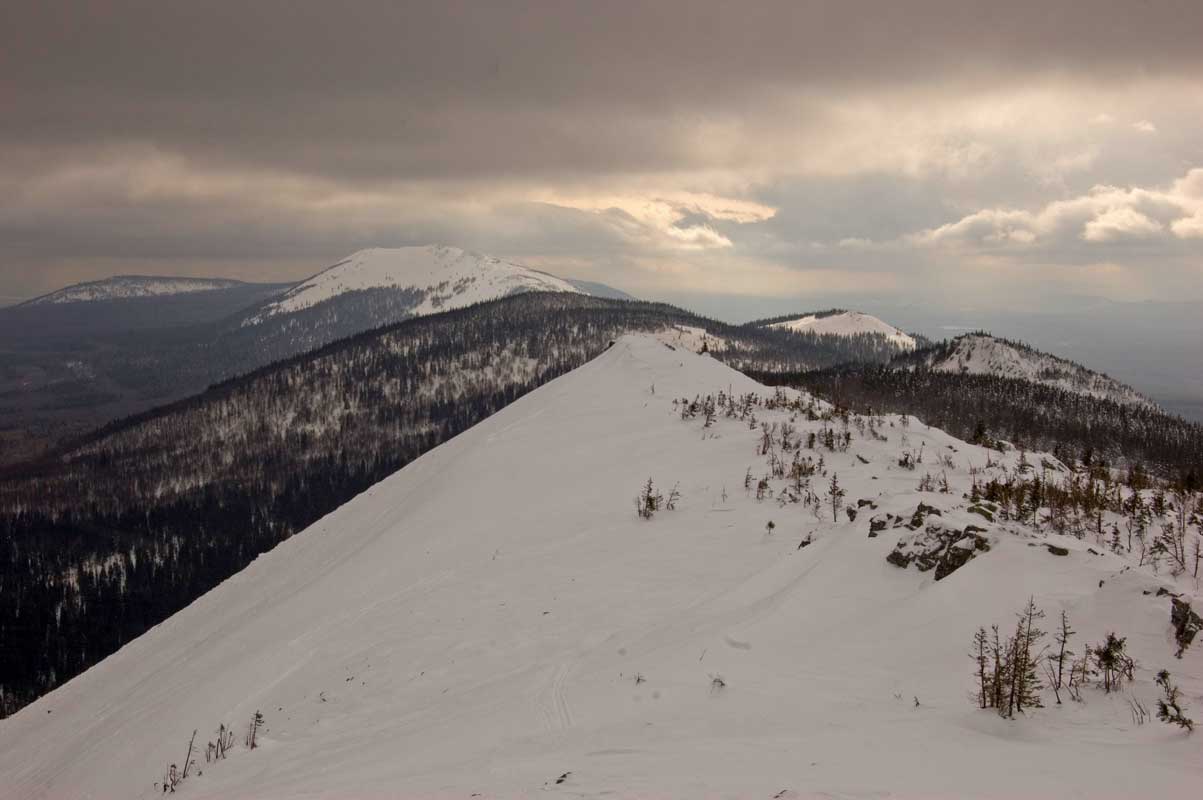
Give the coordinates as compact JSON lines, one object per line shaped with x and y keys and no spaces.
{"x":467,"y":625}
{"x":118,"y":287}
{"x":438,"y":276}
{"x":983,"y":353}
{"x":841,"y":322}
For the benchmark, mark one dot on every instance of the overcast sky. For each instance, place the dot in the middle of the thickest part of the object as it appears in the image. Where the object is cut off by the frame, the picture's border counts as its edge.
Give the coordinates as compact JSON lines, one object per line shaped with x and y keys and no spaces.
{"x":969,"y":152}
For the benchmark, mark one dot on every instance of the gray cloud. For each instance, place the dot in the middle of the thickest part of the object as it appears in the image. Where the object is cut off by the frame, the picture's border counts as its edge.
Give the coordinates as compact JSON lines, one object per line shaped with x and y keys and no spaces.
{"x":760,"y":148}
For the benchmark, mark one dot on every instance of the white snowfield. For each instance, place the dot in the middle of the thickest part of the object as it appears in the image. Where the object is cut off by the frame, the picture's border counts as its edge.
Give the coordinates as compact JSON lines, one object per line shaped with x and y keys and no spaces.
{"x":979,"y":354}
{"x":494,"y":620}
{"x":449,"y":277}
{"x":122,"y":287}
{"x":848,"y":323}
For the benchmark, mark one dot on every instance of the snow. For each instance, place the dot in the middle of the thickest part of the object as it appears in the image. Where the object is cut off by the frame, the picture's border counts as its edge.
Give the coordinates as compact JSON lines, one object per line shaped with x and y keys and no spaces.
{"x":979,"y":354}
{"x":692,"y":338}
{"x":450,"y":278}
{"x":474,"y":625}
{"x":122,"y":287}
{"x":848,"y":323}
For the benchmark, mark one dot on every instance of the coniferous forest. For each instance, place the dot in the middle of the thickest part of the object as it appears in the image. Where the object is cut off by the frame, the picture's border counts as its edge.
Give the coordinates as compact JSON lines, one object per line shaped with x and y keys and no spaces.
{"x":1027,"y":414}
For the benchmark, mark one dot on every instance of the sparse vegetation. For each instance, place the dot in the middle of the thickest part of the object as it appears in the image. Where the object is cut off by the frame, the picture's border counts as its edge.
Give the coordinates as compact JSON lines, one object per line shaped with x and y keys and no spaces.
{"x":1169,"y":706}
{"x":648,"y":501}
{"x":252,"y":730}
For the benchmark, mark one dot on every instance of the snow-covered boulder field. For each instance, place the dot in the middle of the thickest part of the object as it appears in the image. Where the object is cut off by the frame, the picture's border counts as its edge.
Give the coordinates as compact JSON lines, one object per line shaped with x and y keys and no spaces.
{"x":496,"y":620}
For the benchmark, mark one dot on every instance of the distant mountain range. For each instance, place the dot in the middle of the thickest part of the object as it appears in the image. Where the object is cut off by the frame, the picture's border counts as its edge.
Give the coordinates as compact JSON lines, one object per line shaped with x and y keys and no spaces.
{"x":81,"y":356}
{"x":124,"y":287}
{"x":325,"y":387}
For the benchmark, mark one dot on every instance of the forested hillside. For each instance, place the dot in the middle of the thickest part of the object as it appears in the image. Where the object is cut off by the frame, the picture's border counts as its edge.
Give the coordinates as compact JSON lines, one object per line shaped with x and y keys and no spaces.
{"x":116,"y":532}
{"x":983,"y":354}
{"x":1028,"y":414}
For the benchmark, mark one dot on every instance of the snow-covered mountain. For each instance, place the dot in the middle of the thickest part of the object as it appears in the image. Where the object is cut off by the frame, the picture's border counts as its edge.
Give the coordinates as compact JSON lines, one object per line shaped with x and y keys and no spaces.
{"x":122,"y":287}
{"x":846,"y":323}
{"x":494,"y":620}
{"x":595,"y":289}
{"x":982,"y":354}
{"x":434,"y":278}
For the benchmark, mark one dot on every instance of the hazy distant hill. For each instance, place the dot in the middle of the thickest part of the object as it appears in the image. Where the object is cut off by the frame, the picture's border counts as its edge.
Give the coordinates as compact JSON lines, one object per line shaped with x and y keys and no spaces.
{"x":124,"y":287}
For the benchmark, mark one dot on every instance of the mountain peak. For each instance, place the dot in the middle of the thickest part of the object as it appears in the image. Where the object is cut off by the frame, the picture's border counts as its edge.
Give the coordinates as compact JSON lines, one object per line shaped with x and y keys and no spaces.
{"x":439,"y":278}
{"x":982,"y":353}
{"x":842,"y":322}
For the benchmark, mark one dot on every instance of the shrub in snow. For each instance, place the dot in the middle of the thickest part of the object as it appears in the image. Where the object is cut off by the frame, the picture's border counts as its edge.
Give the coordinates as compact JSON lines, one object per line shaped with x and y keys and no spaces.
{"x":1169,"y":709}
{"x":650,"y":500}
{"x":1114,"y":663}
{"x":218,"y":749}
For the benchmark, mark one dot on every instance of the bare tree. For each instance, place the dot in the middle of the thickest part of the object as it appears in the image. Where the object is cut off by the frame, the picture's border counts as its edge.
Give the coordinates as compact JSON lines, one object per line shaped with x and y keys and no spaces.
{"x":252,"y":731}
{"x":1056,"y":663}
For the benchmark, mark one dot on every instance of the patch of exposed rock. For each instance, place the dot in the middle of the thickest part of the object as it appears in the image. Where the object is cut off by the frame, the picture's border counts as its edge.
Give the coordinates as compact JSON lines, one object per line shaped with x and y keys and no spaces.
{"x":941,"y":547}
{"x":1186,"y":624}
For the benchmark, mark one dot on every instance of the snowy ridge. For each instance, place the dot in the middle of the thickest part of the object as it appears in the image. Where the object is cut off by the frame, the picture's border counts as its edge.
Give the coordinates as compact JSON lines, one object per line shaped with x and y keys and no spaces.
{"x":694,"y":338}
{"x":981,"y":354}
{"x":847,"y":323}
{"x":495,"y":620}
{"x":444,"y":277}
{"x":121,"y":287}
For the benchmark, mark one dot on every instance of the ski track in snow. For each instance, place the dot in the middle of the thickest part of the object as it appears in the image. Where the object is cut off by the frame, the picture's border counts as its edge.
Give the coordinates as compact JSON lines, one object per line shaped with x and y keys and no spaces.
{"x":553,"y":703}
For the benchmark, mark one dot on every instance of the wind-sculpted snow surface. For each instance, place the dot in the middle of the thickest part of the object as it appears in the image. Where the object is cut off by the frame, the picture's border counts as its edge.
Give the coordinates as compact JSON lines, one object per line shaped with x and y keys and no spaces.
{"x":494,"y":620}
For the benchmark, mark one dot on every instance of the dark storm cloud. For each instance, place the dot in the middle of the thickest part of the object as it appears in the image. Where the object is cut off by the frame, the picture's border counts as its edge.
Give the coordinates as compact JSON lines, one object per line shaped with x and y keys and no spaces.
{"x":368,"y":89}
{"x":159,"y":131}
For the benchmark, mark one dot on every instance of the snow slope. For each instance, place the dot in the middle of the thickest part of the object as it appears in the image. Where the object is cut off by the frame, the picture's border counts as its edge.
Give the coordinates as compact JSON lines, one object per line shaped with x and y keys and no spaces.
{"x":847,"y":323}
{"x":122,"y":287}
{"x":981,"y":354}
{"x":445,"y":277}
{"x":494,"y":620}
